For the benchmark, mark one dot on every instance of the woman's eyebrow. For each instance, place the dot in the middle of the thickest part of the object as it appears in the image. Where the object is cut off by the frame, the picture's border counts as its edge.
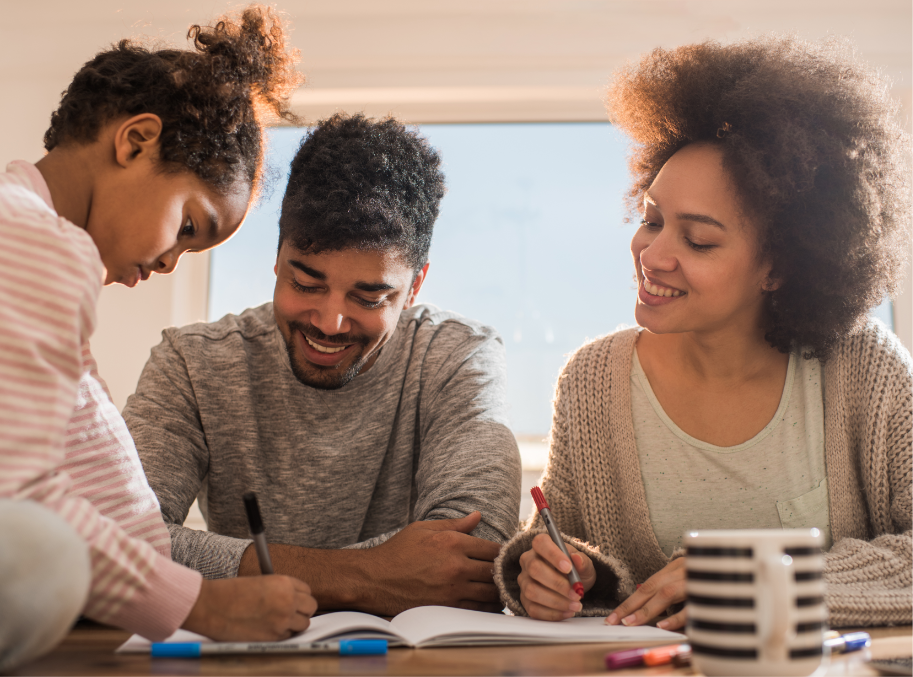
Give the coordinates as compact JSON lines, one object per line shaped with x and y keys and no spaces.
{"x":700,"y":218}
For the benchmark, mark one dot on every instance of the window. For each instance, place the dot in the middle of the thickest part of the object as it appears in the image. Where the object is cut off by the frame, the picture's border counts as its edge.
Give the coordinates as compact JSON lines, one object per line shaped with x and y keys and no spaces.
{"x":531,"y":239}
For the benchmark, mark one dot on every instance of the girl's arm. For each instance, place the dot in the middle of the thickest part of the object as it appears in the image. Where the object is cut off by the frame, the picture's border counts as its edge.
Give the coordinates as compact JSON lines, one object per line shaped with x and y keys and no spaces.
{"x":50,"y":278}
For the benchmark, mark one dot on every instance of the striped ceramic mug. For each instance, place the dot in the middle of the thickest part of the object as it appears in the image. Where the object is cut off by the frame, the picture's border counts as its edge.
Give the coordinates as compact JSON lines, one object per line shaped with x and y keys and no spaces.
{"x":756,"y":601}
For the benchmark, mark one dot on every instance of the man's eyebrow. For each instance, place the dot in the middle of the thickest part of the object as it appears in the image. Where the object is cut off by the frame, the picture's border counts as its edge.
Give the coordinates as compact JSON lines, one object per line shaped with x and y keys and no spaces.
{"x":700,"y":218}
{"x":307,"y":270}
{"x":374,"y":286}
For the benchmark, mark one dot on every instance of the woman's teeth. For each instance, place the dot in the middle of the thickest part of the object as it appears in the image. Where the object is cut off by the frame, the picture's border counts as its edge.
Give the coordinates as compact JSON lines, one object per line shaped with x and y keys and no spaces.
{"x":324,"y":349}
{"x":656,"y":290}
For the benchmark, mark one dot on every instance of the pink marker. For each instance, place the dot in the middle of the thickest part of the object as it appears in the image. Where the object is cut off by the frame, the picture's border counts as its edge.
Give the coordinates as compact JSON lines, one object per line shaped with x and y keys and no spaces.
{"x":546,"y":515}
{"x":629,"y":658}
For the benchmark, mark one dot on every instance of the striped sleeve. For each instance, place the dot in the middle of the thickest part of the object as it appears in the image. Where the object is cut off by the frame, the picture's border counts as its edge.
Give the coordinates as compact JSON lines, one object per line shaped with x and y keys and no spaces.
{"x":101,"y":460}
{"x":50,"y":278}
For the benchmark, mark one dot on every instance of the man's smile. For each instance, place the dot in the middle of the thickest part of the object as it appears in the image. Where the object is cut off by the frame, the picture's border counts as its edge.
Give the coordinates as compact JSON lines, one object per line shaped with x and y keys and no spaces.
{"x":324,"y":349}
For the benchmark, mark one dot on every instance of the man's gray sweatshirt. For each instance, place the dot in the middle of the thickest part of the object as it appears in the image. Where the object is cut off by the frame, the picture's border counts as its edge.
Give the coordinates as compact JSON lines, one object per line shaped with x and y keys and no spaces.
{"x":421,"y":435}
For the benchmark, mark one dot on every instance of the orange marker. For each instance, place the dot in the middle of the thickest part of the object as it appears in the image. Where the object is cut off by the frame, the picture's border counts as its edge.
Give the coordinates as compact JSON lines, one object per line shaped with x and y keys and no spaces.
{"x":666,"y":654}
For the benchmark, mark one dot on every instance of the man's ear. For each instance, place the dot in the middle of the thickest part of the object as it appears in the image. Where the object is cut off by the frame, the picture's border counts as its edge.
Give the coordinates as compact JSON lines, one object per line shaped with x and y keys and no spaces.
{"x":137,"y":136}
{"x":416,"y":285}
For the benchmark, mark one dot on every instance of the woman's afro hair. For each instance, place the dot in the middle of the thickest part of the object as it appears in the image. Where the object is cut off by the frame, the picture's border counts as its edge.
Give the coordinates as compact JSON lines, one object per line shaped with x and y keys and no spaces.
{"x":810,"y":138}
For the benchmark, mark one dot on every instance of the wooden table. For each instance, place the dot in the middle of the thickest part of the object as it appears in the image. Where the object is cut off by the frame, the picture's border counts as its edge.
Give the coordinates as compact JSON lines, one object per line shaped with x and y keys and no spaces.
{"x":89,"y":650}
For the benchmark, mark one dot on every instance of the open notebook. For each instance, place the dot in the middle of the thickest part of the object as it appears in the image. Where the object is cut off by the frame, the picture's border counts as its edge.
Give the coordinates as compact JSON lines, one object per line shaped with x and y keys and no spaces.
{"x":444,"y":626}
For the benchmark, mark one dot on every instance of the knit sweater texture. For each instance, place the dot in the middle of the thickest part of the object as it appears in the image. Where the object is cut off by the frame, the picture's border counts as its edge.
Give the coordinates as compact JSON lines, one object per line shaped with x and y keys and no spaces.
{"x":594,"y":488}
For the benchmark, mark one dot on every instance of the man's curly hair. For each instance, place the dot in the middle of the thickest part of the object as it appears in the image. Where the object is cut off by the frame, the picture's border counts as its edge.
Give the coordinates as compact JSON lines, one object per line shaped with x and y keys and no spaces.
{"x":363,"y":184}
{"x":213,"y":100}
{"x":810,"y":139}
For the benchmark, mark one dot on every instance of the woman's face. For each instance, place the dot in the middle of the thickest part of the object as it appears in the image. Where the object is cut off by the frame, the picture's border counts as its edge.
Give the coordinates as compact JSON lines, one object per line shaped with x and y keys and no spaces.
{"x":695,"y":253}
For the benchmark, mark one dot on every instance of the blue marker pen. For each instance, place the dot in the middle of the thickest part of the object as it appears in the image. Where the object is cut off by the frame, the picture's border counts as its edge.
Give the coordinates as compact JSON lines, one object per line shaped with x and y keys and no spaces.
{"x":853,"y":641}
{"x":345,"y":647}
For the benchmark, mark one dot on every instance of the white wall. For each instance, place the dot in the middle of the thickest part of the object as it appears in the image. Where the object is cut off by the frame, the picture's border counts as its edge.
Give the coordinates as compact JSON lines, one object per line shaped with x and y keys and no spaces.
{"x":453,"y":60}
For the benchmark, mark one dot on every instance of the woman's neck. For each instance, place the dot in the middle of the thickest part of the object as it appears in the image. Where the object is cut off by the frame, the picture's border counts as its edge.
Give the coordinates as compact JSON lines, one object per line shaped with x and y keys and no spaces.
{"x":724,"y":356}
{"x":70,"y":177}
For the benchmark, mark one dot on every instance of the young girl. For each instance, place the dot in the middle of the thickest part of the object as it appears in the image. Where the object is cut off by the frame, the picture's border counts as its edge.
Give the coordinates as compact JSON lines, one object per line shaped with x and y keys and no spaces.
{"x":150,"y":155}
{"x":774,"y":194}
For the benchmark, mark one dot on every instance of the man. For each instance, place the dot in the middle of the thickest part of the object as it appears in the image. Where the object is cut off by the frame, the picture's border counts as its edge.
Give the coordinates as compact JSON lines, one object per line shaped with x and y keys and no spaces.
{"x":373,"y":431}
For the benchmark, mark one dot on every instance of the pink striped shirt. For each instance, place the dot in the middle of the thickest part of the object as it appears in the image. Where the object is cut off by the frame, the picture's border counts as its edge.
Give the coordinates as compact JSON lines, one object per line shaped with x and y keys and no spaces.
{"x":62,"y":442}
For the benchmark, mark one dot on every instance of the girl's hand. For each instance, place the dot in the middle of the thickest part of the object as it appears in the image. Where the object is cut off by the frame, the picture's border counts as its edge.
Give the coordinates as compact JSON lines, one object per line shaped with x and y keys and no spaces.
{"x":251,"y":609}
{"x":658,"y":593}
{"x":544,"y":590}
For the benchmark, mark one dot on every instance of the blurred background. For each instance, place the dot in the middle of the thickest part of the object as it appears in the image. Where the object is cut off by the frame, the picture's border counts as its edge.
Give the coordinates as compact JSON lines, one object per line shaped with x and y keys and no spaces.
{"x":532,"y":237}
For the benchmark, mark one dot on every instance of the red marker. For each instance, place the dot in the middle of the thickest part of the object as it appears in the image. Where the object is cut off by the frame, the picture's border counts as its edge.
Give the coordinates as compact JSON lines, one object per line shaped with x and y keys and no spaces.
{"x":546,"y":515}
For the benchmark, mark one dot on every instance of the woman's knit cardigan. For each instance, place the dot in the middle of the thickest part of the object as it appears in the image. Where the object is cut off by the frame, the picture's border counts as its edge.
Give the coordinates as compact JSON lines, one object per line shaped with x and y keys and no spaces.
{"x":594,"y":487}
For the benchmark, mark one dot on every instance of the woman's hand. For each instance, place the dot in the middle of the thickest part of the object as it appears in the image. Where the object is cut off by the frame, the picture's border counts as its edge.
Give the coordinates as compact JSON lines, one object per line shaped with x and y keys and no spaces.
{"x":658,"y":593}
{"x":544,"y":589}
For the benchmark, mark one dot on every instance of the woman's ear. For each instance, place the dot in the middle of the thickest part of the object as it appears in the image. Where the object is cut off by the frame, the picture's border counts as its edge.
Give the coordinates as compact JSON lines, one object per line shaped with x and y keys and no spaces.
{"x":769,"y":284}
{"x":136,"y":137}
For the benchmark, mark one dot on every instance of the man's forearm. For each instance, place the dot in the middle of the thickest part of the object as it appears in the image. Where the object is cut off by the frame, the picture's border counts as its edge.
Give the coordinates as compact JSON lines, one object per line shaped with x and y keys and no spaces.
{"x":338,"y":578}
{"x":427,"y":563}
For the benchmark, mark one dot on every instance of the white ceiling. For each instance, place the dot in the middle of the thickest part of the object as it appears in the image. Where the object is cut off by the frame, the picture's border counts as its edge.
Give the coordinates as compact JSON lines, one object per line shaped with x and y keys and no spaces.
{"x":437,"y":60}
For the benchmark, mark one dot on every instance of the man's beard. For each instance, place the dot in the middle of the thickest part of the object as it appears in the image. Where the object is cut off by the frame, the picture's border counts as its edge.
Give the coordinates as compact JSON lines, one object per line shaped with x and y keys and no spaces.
{"x":316,"y":376}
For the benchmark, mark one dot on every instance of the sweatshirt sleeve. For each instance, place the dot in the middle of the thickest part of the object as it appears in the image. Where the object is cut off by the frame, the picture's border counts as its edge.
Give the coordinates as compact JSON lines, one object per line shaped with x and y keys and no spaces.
{"x":614,"y":581}
{"x":50,"y":278}
{"x":164,"y":419}
{"x":468,"y":458}
{"x":869,"y":581}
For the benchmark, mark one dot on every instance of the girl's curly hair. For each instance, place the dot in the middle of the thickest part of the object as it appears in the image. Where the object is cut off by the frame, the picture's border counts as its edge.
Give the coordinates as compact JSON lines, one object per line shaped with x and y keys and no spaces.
{"x":810,"y":138}
{"x":213,"y":100}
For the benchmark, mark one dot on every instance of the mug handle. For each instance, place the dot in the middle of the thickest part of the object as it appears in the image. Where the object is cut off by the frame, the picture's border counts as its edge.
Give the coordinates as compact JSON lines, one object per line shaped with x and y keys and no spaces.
{"x":778,"y":572}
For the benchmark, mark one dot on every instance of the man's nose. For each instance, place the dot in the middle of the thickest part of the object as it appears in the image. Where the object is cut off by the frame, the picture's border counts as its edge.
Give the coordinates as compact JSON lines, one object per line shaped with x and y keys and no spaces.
{"x":330,"y":317}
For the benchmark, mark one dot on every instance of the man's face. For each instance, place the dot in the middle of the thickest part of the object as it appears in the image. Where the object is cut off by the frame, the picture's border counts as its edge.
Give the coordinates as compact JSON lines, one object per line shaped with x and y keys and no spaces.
{"x":336,"y":309}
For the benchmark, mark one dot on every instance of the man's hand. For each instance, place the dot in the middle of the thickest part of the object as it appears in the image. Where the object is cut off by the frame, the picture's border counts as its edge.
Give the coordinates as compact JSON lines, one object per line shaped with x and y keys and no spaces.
{"x":545,"y":592}
{"x":661,"y":590}
{"x":433,"y":562}
{"x":255,"y":609}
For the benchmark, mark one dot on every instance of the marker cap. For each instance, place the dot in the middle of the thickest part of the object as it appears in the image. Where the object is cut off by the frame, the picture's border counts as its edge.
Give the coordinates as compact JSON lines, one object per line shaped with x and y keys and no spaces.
{"x":175,"y":649}
{"x":854,"y":641}
{"x":362,"y":647}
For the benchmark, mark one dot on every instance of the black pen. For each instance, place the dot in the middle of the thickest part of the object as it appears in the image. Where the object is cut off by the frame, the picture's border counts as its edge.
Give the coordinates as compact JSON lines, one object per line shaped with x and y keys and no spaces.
{"x":258,"y":532}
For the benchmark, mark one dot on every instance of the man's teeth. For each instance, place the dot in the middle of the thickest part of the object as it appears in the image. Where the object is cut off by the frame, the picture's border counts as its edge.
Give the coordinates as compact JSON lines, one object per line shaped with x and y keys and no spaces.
{"x":656,"y":290}
{"x":324,"y":349}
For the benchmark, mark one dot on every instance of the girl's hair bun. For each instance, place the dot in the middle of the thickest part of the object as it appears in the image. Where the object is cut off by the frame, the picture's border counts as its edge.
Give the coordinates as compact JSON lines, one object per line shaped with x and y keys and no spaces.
{"x":248,"y":53}
{"x":213,"y":100}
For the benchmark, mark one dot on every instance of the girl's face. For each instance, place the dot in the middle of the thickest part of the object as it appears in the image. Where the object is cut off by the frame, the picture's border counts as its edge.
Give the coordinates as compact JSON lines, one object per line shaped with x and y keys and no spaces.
{"x":695,"y":253}
{"x":142,"y":220}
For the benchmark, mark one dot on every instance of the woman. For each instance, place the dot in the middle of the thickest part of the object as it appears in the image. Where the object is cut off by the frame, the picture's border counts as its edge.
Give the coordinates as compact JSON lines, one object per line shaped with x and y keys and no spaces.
{"x":774,"y":198}
{"x":152,"y":153}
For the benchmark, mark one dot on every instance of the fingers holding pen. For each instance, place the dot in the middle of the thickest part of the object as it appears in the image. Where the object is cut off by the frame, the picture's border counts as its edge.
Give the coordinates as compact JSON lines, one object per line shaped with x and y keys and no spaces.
{"x":545,"y":591}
